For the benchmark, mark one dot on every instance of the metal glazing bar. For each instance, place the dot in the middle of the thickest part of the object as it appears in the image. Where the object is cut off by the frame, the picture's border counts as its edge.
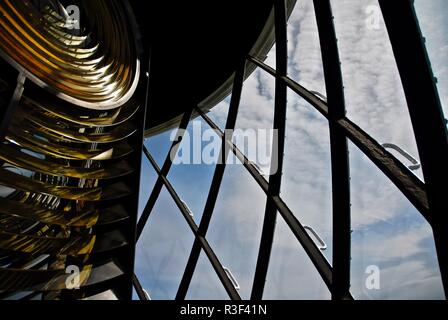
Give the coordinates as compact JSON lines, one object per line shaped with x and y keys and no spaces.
{"x":340,"y":170}
{"x":220,"y":271}
{"x":270,"y":215}
{"x":165,"y":169}
{"x":426,"y":115}
{"x":137,"y":140}
{"x":316,"y":256}
{"x":216,"y":183}
{"x":138,"y":288}
{"x":395,"y":170}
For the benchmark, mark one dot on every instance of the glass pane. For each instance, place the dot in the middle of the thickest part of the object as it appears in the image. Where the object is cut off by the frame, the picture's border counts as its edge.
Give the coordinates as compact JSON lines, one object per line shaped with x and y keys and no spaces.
{"x":432,"y":19}
{"x":235,"y":228}
{"x":163,"y":250}
{"x":192,"y":171}
{"x":393,"y":253}
{"x":306,"y":185}
{"x":159,"y":145}
{"x":374,"y":94}
{"x":270,"y":58}
{"x":219,"y":113}
{"x":304,"y":54}
{"x":148,"y":177}
{"x":134,"y":295}
{"x":205,"y":284}
{"x":291,"y":274}
{"x":254,"y":134}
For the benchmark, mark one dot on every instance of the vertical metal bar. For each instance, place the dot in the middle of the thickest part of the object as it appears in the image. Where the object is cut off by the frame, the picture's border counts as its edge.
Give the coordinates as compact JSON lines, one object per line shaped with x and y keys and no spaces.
{"x":411,"y":186}
{"x":275,"y":179}
{"x":339,"y":150}
{"x":216,"y":183}
{"x":165,"y":169}
{"x":127,"y":257}
{"x":426,"y":115}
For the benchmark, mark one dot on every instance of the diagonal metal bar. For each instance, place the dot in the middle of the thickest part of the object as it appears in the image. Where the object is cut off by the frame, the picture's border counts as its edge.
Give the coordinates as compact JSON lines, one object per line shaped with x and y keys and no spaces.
{"x":165,"y":169}
{"x":397,"y":172}
{"x":426,"y":114}
{"x":138,"y":288}
{"x":340,"y":170}
{"x":270,"y":215}
{"x":216,"y":183}
{"x":316,"y":256}
{"x":217,"y":266}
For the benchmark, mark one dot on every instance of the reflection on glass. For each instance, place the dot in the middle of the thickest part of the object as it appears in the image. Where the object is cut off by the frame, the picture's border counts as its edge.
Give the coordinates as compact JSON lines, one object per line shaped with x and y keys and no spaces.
{"x":291,"y":274}
{"x":304,"y":54}
{"x":374,"y":94}
{"x":159,"y":145}
{"x":306,"y":184}
{"x":148,"y":177}
{"x":193,"y":168}
{"x":432,"y":19}
{"x":254,"y":134}
{"x":163,"y":249}
{"x":235,"y":228}
{"x":393,"y":253}
{"x":205,"y":284}
{"x":219,"y":113}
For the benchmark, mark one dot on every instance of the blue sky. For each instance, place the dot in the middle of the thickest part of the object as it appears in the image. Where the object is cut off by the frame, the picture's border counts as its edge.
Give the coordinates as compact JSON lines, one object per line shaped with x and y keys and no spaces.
{"x":387,"y":230}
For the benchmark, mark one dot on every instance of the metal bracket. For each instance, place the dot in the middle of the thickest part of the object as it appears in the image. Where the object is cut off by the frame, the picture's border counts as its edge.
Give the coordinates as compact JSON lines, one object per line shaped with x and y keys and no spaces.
{"x":232,"y":278}
{"x":321,"y":243}
{"x":415,"y":163}
{"x":187,"y":208}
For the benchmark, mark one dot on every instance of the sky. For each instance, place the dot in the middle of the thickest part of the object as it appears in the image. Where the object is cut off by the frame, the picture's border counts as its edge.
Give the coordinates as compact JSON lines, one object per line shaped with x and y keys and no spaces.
{"x":388,"y":232}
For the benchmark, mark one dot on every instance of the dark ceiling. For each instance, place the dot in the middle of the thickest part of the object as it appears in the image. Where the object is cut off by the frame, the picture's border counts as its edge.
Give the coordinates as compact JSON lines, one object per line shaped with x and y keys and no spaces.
{"x":195,"y":47}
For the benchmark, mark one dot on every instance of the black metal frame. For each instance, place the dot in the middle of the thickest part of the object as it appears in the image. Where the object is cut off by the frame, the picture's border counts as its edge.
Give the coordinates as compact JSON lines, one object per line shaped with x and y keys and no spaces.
{"x":270,"y":215}
{"x":213,"y":193}
{"x":339,"y":150}
{"x":426,"y":114}
{"x":429,"y":126}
